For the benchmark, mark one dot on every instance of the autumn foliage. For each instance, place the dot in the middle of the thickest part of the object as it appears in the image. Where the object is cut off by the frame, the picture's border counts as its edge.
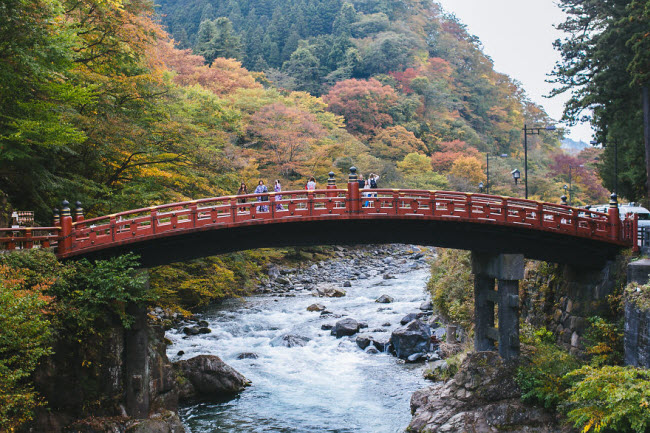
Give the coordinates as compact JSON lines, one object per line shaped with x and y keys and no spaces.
{"x":365,"y":104}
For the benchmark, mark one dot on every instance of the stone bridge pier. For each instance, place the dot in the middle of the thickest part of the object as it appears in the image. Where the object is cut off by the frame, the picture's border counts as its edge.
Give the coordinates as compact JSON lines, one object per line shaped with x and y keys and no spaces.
{"x":507,"y":269}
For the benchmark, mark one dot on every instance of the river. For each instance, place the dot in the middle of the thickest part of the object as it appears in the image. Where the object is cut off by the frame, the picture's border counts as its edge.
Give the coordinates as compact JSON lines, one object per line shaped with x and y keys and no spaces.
{"x":327,"y":385}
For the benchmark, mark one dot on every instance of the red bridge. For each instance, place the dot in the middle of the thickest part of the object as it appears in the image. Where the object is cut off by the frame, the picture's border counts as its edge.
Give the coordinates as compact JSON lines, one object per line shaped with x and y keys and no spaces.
{"x":478,"y":222}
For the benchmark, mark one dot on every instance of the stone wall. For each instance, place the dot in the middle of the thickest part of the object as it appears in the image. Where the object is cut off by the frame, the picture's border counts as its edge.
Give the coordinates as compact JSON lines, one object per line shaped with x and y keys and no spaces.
{"x":562,"y":298}
{"x":637,"y":336}
{"x":637,"y":315}
{"x":92,"y":380}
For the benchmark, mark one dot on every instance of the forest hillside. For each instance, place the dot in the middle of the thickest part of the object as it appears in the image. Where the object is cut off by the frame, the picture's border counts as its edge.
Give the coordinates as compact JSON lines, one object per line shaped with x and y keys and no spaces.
{"x":101,"y":106}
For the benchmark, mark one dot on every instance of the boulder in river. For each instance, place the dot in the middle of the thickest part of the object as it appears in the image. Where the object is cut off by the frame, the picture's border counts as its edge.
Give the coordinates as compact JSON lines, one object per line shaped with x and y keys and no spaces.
{"x":408,"y":318}
{"x":365,"y":340}
{"x":344,"y":327}
{"x":412,"y":338}
{"x":290,"y":340}
{"x":384,"y":299}
{"x":208,"y":376}
{"x":316,"y":307}
{"x":191,"y":330}
{"x":330,"y":292}
{"x":426,"y":306}
{"x":247,"y":355}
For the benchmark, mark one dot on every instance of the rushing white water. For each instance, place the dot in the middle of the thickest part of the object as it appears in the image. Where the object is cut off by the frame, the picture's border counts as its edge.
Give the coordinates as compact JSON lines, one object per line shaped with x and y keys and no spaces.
{"x":329,"y":385}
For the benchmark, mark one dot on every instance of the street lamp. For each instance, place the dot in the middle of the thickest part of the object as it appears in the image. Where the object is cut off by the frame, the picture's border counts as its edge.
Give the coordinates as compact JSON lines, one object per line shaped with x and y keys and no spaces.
{"x":570,"y":184}
{"x":595,"y":143}
{"x":532,"y":131}
{"x":487,"y":169}
{"x":516,"y":175}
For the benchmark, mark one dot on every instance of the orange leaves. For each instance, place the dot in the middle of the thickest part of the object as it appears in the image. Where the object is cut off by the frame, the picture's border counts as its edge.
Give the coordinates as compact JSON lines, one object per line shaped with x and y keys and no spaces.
{"x":12,"y":279}
{"x":395,"y":142}
{"x":286,"y":134}
{"x":223,"y":77}
{"x":450,"y":151}
{"x":365,"y":104}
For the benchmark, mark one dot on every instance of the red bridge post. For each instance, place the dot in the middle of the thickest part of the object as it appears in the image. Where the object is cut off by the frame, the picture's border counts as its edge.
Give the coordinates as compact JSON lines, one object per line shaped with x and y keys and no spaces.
{"x":65,"y":240}
{"x":331,"y":184}
{"x":353,"y":199}
{"x":614,"y":218}
{"x":78,"y":215}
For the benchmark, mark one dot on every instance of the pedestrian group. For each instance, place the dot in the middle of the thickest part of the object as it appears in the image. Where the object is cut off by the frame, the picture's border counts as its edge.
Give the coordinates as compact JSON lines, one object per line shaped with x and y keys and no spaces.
{"x":311,"y":185}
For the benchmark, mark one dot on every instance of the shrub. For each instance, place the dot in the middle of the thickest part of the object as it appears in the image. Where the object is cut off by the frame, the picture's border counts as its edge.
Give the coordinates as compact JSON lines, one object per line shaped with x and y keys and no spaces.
{"x":543,"y":380}
{"x":24,"y":339}
{"x":452,"y":288}
{"x":604,"y":342}
{"x":612,"y":398}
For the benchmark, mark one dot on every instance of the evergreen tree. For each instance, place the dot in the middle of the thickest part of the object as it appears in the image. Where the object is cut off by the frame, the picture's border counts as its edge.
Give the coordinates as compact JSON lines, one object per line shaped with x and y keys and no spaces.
{"x":598,"y":58}
{"x":217,"y":39}
{"x":304,"y":67}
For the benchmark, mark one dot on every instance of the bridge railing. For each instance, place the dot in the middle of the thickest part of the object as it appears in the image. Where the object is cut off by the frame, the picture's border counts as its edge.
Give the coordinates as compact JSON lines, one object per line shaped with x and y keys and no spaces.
{"x":28,"y":237}
{"x":351,"y":203}
{"x":487,"y":208}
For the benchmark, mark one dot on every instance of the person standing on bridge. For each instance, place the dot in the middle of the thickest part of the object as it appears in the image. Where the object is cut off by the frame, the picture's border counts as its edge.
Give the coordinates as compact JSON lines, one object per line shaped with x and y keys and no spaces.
{"x":311,"y":185}
{"x":242,"y":191}
{"x":262,"y":189}
{"x":373,"y":183}
{"x":277,"y":188}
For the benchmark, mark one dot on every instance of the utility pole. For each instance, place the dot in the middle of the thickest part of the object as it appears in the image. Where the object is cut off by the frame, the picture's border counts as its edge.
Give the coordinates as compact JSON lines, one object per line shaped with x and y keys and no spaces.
{"x":646,"y":136}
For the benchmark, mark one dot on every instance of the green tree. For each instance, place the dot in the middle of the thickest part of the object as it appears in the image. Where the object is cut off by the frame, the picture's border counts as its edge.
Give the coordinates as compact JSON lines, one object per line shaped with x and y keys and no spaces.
{"x":217,"y":39}
{"x":604,"y":67}
{"x":24,"y":340}
{"x":304,"y":67}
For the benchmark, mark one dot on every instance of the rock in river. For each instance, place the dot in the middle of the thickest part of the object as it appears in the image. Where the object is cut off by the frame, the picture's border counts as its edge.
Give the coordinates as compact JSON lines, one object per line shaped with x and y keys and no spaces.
{"x":410,"y":339}
{"x":331,"y":292}
{"x":209,"y":376}
{"x":316,"y":307}
{"x":345,"y":327}
{"x":384,"y":299}
{"x":290,"y":340}
{"x":408,"y":318}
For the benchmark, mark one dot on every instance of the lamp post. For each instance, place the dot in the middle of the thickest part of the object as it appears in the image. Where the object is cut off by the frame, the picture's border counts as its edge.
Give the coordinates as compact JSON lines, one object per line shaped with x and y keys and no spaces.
{"x":487,"y":169}
{"x":595,"y":143}
{"x":516,"y":175}
{"x":531,"y":131}
{"x":570,"y":187}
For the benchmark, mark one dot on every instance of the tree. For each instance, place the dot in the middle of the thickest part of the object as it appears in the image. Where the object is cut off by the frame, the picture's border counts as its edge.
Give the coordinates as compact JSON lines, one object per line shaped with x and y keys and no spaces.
{"x":395,"y":142}
{"x":304,"y":67}
{"x":286,"y":133}
{"x":365,"y":104}
{"x":603,"y":67}
{"x":416,"y":173}
{"x":466,"y":172}
{"x":217,"y":39}
{"x":23,"y":342}
{"x":448,"y":152}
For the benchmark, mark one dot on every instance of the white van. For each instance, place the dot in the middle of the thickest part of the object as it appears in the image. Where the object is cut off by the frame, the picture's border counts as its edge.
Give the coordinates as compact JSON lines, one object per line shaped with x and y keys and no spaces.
{"x":634,"y":208}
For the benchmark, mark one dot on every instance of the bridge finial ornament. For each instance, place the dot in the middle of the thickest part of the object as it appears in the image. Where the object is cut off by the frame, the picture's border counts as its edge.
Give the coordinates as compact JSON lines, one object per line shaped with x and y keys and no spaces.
{"x":56,"y":217}
{"x":78,"y":212}
{"x":65,"y":208}
{"x":331,"y":180}
{"x":353,"y":174}
{"x":613,"y":200}
{"x":563,"y":200}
